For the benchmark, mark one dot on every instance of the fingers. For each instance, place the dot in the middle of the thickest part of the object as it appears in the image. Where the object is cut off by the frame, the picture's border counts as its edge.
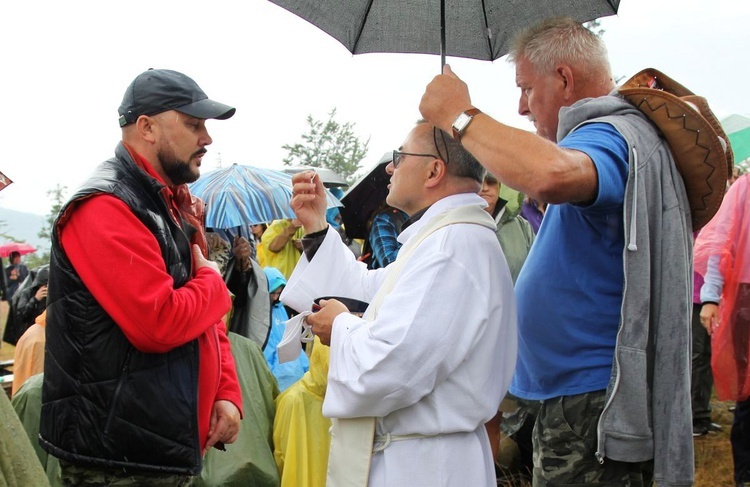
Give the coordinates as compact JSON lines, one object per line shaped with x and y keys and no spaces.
{"x":241,"y":247}
{"x":201,"y":261}
{"x":224,"y":426}
{"x":709,"y":318}
{"x":215,"y":437}
{"x":197,"y":255}
{"x":304,"y":182}
{"x":322,"y":321}
{"x":448,"y":71}
{"x":307,"y":182}
{"x":224,"y":431}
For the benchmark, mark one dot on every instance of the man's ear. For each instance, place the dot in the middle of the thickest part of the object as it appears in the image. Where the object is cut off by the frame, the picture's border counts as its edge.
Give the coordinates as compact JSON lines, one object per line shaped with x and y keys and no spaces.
{"x":565,"y":75}
{"x":437,"y":171}
{"x":146,"y":127}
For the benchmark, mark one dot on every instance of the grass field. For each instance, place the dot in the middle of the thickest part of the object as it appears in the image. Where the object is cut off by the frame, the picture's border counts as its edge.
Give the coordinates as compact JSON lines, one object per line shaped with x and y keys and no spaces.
{"x":713,"y":456}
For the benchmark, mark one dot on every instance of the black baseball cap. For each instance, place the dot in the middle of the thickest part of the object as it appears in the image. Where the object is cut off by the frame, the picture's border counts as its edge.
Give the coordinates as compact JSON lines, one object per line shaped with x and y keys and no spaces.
{"x":158,"y":90}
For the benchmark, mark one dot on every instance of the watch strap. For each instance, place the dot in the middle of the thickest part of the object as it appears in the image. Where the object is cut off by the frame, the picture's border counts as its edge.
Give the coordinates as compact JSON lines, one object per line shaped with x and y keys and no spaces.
{"x":458,"y":133}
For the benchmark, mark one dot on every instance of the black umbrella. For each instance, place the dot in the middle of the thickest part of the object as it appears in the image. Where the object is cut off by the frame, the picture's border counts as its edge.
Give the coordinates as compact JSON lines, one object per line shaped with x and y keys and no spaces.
{"x":364,"y":197}
{"x":476,"y":29}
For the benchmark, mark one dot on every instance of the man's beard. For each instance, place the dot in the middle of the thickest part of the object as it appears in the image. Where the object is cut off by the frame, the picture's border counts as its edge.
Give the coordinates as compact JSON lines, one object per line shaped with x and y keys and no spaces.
{"x":178,"y":172}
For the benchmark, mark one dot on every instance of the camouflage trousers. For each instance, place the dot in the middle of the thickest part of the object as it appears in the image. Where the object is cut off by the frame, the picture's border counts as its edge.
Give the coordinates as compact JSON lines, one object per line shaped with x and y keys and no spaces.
{"x":565,"y":443}
{"x":76,"y":476}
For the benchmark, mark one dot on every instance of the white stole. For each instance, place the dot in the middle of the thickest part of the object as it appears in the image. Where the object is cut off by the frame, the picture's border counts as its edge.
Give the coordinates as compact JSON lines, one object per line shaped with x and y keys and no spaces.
{"x":352,"y":438}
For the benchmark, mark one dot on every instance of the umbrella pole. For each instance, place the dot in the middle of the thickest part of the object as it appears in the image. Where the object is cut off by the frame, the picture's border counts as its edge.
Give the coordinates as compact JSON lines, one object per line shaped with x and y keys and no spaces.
{"x":442,"y":35}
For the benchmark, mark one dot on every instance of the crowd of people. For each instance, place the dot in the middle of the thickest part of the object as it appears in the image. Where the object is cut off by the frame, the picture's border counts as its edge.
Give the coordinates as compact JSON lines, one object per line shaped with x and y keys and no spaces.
{"x":569,"y":317}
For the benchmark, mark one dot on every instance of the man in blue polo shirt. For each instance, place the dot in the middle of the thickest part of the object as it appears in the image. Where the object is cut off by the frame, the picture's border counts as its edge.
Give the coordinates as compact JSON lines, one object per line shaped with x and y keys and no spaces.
{"x":604,"y":296}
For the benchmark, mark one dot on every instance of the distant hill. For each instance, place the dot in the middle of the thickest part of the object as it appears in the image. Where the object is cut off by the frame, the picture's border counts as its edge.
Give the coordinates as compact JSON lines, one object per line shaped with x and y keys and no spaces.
{"x":24,"y":227}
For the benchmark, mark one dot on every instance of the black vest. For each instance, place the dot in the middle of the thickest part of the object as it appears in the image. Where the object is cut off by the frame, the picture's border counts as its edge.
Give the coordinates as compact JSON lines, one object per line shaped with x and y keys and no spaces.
{"x":104,"y":403}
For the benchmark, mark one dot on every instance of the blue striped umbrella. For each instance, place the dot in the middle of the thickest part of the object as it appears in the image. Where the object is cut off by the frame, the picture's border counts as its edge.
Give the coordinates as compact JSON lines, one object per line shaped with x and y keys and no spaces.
{"x":238,"y":196}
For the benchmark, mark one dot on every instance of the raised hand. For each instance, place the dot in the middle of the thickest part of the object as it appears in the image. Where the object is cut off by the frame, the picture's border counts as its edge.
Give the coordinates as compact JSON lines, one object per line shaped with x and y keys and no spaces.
{"x":444,"y":99}
{"x":309,"y":201}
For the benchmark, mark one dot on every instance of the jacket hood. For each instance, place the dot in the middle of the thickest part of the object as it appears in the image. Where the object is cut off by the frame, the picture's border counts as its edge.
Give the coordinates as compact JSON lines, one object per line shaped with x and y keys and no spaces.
{"x":275,"y":278}
{"x":591,"y":108}
{"x":41,"y":277}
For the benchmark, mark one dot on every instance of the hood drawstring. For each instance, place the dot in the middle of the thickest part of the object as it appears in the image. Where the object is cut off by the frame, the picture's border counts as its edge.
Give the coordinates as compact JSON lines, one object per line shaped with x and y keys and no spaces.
{"x":634,"y":205}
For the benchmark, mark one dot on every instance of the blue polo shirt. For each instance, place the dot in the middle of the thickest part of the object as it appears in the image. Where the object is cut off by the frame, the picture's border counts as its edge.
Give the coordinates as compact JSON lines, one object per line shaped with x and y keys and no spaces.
{"x":569,"y":292}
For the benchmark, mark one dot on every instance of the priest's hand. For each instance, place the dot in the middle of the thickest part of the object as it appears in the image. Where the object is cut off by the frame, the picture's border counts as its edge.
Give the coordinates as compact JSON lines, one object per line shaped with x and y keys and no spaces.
{"x":309,"y":201}
{"x":322,"y":321}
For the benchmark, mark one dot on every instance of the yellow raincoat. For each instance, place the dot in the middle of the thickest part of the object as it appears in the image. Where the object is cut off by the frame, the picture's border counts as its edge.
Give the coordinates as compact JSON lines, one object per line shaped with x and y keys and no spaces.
{"x":300,"y":432}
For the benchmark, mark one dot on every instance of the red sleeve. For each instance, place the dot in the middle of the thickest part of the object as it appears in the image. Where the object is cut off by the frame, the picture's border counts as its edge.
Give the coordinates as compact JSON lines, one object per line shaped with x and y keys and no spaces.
{"x":229,"y":387}
{"x":120,"y":262}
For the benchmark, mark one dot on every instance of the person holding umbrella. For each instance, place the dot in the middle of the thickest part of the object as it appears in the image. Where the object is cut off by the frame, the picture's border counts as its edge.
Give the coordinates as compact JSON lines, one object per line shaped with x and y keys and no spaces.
{"x":139,"y":378}
{"x":599,"y":285}
{"x":15,"y":273}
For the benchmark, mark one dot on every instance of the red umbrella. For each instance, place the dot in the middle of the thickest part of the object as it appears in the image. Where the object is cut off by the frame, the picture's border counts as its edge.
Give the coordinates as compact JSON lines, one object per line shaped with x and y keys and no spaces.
{"x":20,"y":247}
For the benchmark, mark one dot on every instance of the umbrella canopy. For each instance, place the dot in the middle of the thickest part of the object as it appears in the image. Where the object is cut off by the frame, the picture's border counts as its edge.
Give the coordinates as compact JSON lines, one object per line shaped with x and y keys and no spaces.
{"x":364,"y":197}
{"x":21,"y":248}
{"x":5,"y":181}
{"x":329,"y":177}
{"x":239,"y":195}
{"x":737,"y":129}
{"x":477,"y":29}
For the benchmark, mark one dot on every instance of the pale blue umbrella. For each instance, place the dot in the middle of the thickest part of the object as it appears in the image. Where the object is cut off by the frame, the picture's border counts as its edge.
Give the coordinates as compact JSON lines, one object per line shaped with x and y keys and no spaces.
{"x":240,"y":196}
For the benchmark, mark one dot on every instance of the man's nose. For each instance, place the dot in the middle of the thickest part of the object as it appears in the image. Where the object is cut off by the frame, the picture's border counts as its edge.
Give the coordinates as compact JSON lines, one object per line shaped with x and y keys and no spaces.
{"x":523,"y":105}
{"x":205,"y":139}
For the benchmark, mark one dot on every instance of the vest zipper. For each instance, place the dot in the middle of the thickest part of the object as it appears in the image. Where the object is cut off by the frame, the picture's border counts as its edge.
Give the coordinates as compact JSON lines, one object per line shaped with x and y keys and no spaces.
{"x":116,"y":396}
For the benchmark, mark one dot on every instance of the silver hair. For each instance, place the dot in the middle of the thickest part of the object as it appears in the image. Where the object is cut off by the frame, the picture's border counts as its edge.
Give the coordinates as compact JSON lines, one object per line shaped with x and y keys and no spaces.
{"x":560,"y":39}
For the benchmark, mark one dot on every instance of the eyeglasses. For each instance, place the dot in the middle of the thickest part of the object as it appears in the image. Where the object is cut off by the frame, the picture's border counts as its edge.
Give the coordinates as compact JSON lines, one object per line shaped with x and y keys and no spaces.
{"x":398,"y":157}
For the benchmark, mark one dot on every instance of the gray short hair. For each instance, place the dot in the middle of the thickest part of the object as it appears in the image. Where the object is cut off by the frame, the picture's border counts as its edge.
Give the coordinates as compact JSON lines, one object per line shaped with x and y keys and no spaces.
{"x":560,"y":39}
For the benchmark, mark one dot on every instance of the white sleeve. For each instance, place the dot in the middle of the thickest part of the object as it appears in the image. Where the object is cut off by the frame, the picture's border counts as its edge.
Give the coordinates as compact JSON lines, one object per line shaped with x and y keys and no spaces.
{"x":713,"y":281}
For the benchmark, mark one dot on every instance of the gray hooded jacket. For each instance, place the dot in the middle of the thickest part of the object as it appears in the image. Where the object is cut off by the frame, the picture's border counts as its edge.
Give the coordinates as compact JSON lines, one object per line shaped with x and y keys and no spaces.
{"x":647,"y":412}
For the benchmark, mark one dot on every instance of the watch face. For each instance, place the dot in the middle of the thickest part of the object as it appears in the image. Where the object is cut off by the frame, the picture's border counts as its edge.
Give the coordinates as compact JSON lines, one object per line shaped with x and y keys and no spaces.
{"x":461,"y":121}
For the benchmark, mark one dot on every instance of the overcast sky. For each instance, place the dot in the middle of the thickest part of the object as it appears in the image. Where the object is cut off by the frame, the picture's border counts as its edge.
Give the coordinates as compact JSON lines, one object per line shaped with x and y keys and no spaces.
{"x":67,"y":64}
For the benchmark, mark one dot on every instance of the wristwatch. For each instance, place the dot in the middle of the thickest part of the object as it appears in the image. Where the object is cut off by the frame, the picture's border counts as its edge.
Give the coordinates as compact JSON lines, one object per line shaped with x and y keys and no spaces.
{"x":462,"y":122}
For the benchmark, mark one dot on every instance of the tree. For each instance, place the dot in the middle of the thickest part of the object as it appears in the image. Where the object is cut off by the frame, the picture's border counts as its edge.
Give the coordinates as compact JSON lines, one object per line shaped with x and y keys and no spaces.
{"x":329,"y":144}
{"x":57,"y":195}
{"x":595,"y":26}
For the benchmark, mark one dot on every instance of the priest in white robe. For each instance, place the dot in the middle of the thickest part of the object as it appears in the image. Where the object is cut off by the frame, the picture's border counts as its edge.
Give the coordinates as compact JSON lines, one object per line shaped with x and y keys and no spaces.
{"x":434,"y":354}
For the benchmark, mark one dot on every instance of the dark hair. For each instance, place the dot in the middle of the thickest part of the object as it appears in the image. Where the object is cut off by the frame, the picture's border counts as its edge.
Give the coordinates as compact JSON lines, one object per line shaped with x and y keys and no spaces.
{"x":458,"y":161}
{"x":14,"y":254}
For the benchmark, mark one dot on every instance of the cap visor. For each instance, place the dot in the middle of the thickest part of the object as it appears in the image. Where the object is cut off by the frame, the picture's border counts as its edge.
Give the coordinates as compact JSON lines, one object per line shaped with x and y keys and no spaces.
{"x":207,"y":109}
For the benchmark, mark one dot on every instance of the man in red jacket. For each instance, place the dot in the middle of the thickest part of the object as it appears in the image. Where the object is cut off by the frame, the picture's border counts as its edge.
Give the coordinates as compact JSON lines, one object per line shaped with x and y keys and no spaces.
{"x":139,"y":377}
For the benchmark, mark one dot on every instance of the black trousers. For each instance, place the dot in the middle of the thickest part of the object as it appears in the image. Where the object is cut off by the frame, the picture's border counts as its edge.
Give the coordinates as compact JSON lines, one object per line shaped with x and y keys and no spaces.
{"x":740,"y":438}
{"x":702,"y":377}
